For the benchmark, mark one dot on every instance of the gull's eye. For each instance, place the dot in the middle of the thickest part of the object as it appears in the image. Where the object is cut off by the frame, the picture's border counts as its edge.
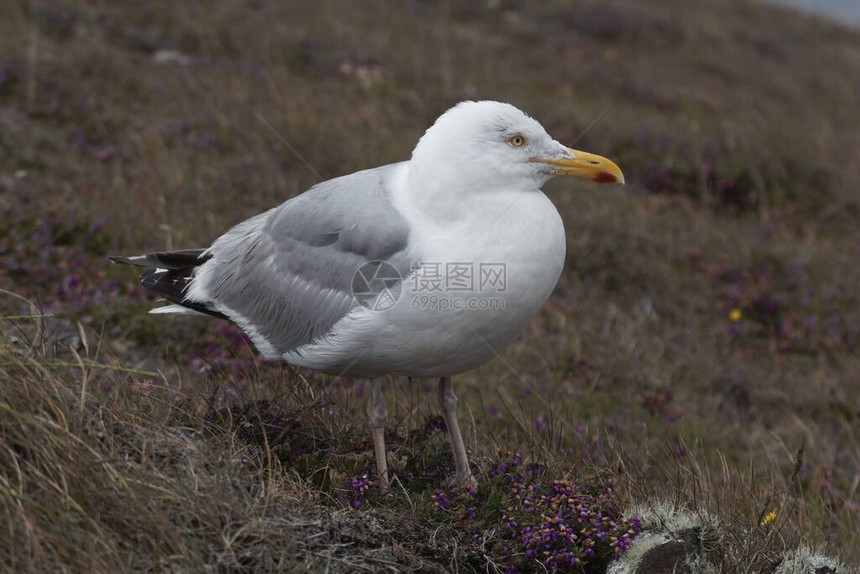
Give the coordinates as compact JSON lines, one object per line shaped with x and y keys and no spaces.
{"x":516,"y":141}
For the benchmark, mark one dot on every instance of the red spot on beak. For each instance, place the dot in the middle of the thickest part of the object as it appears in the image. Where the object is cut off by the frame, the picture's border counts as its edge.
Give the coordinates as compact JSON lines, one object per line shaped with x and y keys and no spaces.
{"x":604,"y":177}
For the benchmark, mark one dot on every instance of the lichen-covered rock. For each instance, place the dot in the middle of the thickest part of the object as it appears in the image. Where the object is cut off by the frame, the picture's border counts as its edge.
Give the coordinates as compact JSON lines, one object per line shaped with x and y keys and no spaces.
{"x":805,"y":561}
{"x":673,"y":541}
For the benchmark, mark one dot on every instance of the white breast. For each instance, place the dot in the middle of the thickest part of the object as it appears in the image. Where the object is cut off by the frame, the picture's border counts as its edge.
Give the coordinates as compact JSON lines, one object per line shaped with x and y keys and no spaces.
{"x":515,"y":237}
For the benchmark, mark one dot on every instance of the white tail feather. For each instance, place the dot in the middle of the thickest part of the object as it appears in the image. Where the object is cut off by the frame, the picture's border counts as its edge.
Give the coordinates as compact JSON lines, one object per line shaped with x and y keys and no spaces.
{"x":177,"y":309}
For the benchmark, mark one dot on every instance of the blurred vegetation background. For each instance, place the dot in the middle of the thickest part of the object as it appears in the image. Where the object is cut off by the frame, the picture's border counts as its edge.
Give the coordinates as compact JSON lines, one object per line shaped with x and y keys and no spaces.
{"x":706,"y":326}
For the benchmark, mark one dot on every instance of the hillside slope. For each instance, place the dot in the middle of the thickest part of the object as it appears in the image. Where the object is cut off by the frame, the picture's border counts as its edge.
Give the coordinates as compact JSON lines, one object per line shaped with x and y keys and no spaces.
{"x":702,"y":344}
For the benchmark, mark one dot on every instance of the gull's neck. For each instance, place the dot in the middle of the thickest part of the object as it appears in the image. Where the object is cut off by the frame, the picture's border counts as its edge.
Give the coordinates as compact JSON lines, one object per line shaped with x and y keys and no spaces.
{"x":450,"y":197}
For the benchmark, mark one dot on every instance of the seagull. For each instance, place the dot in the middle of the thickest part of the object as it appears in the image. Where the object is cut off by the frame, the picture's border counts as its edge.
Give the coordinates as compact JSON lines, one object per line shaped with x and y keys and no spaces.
{"x":425,"y":268}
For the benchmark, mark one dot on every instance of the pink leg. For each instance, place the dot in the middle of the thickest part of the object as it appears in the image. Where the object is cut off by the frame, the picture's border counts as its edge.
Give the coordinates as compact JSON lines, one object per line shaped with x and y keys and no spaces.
{"x":377,"y":412}
{"x":448,"y":404}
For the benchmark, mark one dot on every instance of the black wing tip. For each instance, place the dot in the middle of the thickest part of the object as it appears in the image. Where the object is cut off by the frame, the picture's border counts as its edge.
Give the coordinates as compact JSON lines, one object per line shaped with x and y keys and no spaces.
{"x":136,"y":260}
{"x":182,"y":259}
{"x":167,"y":274}
{"x":151,"y":277}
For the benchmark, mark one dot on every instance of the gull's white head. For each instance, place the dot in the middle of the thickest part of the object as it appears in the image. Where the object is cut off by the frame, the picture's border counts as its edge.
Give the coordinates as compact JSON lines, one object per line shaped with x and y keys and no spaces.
{"x":481,"y":146}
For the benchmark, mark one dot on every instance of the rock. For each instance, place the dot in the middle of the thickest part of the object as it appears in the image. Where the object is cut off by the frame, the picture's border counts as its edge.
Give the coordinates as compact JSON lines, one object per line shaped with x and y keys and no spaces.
{"x":673,"y":541}
{"x":805,"y":561}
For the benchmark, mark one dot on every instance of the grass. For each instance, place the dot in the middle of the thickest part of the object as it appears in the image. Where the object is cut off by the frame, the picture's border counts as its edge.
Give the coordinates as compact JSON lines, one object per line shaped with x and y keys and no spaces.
{"x":701,"y":347}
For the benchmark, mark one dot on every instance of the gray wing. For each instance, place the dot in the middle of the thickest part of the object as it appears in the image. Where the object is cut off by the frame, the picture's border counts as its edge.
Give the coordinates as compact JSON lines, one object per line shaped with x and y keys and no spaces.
{"x":286,"y":276}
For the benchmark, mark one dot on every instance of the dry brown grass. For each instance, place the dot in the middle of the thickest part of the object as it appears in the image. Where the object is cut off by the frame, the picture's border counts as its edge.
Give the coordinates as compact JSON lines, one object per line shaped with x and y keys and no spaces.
{"x":97,"y":482}
{"x":735,"y":123}
{"x":109,"y":468}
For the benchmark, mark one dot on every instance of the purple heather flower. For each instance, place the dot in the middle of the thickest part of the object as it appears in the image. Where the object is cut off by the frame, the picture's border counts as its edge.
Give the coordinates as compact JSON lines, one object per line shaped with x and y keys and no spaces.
{"x":542,"y":421}
{"x":562,"y":524}
{"x":359,"y":487}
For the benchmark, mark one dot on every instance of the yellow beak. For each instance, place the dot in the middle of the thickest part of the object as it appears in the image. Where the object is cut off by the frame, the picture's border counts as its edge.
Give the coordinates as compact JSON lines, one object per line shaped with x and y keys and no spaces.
{"x":587,"y":166}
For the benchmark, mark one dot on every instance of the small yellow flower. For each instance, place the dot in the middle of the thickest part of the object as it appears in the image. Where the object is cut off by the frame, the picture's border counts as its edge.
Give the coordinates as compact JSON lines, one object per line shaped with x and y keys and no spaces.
{"x":768,"y":518}
{"x":736,"y":315}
